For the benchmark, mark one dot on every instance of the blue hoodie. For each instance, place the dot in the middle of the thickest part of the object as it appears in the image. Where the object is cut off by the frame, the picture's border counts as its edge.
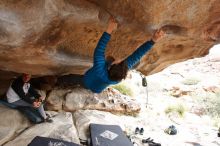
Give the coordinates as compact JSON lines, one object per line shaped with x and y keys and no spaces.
{"x":96,"y":78}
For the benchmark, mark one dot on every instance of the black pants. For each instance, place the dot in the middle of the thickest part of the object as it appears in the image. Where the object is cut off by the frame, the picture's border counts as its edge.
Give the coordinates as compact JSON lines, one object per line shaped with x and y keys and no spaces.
{"x":70,"y":80}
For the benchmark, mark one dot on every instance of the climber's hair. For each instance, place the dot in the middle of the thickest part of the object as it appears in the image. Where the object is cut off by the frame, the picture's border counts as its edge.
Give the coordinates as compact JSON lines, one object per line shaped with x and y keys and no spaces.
{"x":118,"y":71}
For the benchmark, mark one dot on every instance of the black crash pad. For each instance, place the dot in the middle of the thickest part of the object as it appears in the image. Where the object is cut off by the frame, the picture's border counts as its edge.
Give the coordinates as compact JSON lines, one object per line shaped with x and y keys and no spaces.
{"x":117,"y":138}
{"x":45,"y":141}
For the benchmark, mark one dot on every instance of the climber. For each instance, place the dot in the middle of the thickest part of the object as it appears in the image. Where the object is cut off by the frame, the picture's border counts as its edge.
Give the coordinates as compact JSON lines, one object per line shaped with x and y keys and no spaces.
{"x":22,"y":94}
{"x":107,"y":71}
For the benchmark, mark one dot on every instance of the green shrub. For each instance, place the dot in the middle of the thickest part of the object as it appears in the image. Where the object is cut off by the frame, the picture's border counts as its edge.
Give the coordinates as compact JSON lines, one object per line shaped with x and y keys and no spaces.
{"x":179,"y":109}
{"x":123,"y":89}
{"x":209,"y":101}
{"x":216,"y":122}
{"x":191,"y":81}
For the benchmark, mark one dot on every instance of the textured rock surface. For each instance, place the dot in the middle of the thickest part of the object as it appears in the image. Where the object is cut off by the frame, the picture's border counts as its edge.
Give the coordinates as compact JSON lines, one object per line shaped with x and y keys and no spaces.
{"x":62,"y":128}
{"x":59,"y":36}
{"x":5,"y":78}
{"x":109,"y":100}
{"x":11,"y":124}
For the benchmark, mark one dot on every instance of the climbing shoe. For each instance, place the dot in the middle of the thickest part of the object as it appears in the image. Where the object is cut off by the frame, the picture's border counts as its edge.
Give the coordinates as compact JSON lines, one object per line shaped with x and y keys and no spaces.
{"x":171,"y":130}
{"x":142,"y":131}
{"x":137,"y":130}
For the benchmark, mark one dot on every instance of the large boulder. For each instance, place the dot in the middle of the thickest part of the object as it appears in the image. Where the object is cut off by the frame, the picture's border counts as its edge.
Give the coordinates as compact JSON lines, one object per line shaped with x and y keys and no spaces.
{"x":47,"y":37}
{"x":78,"y":98}
{"x":62,"y":128}
{"x":11,"y":124}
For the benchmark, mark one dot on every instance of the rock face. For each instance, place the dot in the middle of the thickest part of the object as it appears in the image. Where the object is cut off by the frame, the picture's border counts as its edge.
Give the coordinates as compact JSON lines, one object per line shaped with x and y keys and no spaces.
{"x":11,"y":124}
{"x":76,"y":99}
{"x":62,"y":128}
{"x":53,"y":37}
